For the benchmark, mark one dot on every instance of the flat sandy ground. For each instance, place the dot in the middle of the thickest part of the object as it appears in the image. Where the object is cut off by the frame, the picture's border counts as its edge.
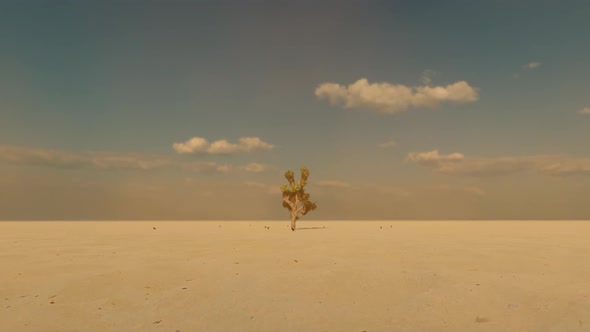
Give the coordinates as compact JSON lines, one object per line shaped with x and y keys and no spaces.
{"x":242,"y":276}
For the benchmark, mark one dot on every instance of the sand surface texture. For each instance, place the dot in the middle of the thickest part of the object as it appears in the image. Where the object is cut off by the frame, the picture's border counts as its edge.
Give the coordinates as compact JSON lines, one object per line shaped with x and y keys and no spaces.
{"x":260,"y":276}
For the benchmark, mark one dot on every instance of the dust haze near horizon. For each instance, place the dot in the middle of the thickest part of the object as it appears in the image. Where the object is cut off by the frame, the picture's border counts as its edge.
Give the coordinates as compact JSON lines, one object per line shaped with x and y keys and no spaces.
{"x":195,"y":109}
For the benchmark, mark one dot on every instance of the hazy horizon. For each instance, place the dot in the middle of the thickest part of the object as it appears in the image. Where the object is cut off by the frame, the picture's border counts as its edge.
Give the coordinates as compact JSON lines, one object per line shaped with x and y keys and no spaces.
{"x":193,"y":110}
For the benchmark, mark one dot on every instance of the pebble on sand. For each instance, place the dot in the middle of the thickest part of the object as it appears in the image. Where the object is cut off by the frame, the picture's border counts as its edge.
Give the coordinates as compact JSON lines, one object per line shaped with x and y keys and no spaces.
{"x":481,"y":320}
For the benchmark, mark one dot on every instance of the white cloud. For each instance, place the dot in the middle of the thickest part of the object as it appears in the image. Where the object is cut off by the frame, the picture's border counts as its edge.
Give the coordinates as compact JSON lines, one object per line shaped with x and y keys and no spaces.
{"x":528,"y":67}
{"x":433,"y":159}
{"x":393,"y":98}
{"x":458,"y":164}
{"x":388,"y":144}
{"x":585,"y":110}
{"x":255,"y":167}
{"x":194,"y":145}
{"x":332,"y":183}
{"x":199,"y":145}
{"x":222,"y":147}
{"x":248,"y":144}
{"x":531,"y":65}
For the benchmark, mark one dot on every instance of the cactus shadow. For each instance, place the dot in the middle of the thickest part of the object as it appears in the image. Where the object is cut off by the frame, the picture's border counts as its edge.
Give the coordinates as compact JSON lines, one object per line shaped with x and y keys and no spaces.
{"x":302,"y":228}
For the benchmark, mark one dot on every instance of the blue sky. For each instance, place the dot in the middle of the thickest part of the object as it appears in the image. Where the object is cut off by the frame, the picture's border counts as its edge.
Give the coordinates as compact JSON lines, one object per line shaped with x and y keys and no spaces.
{"x":94,"y":95}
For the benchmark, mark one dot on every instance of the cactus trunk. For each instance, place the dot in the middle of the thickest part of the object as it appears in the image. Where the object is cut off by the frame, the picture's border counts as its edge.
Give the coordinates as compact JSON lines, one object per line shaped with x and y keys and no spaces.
{"x":293,"y":219}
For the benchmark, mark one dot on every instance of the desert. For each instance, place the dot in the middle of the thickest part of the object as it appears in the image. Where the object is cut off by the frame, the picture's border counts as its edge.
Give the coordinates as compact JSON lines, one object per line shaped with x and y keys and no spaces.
{"x":326,"y":276}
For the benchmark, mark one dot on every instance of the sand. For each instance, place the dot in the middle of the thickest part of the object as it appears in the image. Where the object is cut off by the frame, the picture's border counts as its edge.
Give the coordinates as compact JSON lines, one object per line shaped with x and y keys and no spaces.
{"x":259,"y":276}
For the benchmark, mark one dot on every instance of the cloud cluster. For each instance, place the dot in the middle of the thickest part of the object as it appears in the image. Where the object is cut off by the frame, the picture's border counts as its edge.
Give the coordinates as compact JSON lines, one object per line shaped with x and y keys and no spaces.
{"x":458,"y":164}
{"x":33,"y":156}
{"x":199,"y":145}
{"x":566,"y":166}
{"x":584,"y":111}
{"x":393,"y":98}
{"x":528,"y":67}
{"x":531,"y":65}
{"x":433,"y":159}
{"x":105,"y":161}
{"x":62,"y":159}
{"x":125,"y":161}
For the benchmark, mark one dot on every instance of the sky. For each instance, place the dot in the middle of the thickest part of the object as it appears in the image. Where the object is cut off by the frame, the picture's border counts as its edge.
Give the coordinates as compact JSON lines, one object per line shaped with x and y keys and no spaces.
{"x":193,"y":110}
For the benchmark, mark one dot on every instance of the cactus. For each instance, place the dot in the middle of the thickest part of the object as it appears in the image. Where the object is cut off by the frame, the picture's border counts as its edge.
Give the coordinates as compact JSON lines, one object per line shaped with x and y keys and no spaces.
{"x":295,"y":199}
